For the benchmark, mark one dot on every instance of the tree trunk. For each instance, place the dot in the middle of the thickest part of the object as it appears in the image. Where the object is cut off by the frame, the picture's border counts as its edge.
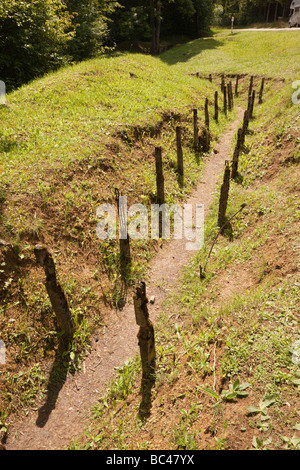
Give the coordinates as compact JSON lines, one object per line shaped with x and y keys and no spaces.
{"x":276,"y":12}
{"x":197,"y":21}
{"x":155,"y":22}
{"x":268,"y":13}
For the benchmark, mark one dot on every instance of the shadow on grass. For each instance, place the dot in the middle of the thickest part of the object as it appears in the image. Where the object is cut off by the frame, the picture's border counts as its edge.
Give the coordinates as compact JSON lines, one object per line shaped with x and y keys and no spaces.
{"x":57,"y":379}
{"x":227,"y":231}
{"x":182,"y":54}
{"x":148,"y":382}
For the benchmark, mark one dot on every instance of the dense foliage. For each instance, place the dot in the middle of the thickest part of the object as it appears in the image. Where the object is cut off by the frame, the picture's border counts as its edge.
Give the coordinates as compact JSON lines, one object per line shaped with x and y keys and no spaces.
{"x":90,"y":22}
{"x":33,"y":37}
{"x":37,"y":36}
{"x":249,"y":11}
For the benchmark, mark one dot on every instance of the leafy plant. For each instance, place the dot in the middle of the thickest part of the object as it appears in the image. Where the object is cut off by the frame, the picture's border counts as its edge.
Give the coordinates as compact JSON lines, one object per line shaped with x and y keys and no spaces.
{"x":262,"y":406}
{"x":291,"y":442}
{"x":185,"y":440}
{"x":3,"y":423}
{"x":236,"y":390}
{"x":260,"y":443}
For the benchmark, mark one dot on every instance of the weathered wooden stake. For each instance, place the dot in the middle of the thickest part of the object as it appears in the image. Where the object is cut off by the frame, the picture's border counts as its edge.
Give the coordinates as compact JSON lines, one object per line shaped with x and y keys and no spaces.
{"x":179,"y":152}
{"x":204,"y":140}
{"x":225,"y":100}
{"x":236,"y":92}
{"x":224,"y":196}
{"x":56,"y":294}
{"x":145,"y":335}
{"x":160,"y":181}
{"x":250,"y":86}
{"x":236,"y":154}
{"x":261,"y":91}
{"x":252,"y":105}
{"x":216,"y":115}
{"x":249,"y":105}
{"x":246,"y":122}
{"x":206,"y":114}
{"x":228,"y":98}
{"x":231,"y":95}
{"x":210,"y":78}
{"x":196,"y":130}
{"x":222,"y":83}
{"x":242,"y":138}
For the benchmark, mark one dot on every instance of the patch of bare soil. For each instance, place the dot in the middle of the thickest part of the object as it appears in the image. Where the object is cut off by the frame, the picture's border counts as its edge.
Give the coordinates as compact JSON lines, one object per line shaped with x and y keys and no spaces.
{"x":63,"y":416}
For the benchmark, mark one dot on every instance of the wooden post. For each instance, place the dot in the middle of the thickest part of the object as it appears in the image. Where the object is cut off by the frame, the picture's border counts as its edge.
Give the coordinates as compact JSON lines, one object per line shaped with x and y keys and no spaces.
{"x":246,"y":122}
{"x":216,"y":116}
{"x":206,"y":114}
{"x":146,"y":332}
{"x":222,"y":83}
{"x":225,"y":100}
{"x":224,"y":196}
{"x":250,"y":86}
{"x":229,"y":97}
{"x":160,"y":182}
{"x":179,"y":152}
{"x":249,"y":104}
{"x":236,"y":154}
{"x":196,"y":130}
{"x":210,"y":78}
{"x":237,"y":86}
{"x":261,"y":91}
{"x":252,"y":105}
{"x":55,"y":292}
{"x":242,"y":138}
{"x":204,"y":140}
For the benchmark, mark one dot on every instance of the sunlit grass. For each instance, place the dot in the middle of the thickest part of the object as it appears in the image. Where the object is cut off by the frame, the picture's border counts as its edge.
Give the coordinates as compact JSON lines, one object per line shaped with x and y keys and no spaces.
{"x":273,"y":53}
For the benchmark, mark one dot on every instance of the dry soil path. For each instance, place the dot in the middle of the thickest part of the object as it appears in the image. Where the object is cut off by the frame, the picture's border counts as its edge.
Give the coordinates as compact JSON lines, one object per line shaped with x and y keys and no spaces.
{"x":52,"y":427}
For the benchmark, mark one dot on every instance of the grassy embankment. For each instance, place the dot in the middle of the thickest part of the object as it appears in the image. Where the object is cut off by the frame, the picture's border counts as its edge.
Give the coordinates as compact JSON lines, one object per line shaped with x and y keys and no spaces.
{"x":227,"y":370}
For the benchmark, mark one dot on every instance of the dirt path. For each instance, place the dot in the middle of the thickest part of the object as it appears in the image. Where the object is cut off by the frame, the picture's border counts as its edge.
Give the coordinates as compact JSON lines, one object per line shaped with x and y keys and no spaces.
{"x":64,"y":415}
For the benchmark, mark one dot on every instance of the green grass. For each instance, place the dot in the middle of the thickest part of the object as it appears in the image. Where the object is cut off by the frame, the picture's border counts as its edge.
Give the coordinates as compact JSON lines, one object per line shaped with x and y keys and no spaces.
{"x":273,"y":54}
{"x":72,"y":114}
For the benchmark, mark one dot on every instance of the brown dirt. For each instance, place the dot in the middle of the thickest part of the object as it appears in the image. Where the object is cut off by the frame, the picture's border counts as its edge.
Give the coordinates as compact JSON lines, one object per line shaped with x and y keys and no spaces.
{"x":63,"y":416}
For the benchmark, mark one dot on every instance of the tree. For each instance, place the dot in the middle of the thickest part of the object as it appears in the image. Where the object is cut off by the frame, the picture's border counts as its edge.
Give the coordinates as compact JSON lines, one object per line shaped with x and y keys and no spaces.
{"x":155,"y":23}
{"x":90,"y":20}
{"x":190,"y":17}
{"x":33,"y":36}
{"x":130,"y":22}
{"x":247,"y":11}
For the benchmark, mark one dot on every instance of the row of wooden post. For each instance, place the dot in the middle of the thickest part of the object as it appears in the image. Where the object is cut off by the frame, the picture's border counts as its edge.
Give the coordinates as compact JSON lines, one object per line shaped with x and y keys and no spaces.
{"x":241,"y":134}
{"x":146,"y":339}
{"x":146,"y":331}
